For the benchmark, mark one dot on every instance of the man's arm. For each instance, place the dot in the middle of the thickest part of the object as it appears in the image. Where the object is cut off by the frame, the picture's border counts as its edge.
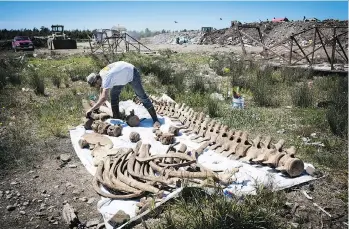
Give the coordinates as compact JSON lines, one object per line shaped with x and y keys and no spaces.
{"x":102,"y":98}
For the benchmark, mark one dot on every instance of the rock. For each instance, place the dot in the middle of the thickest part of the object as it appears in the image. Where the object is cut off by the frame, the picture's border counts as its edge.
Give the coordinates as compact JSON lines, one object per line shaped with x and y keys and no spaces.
{"x":281,"y":131}
{"x":13,"y":183}
{"x":65,"y":157}
{"x":35,"y":176}
{"x":92,"y":223}
{"x":26,"y":203}
{"x":44,"y":191}
{"x":57,"y":186}
{"x":119,"y":218}
{"x":313,"y":135}
{"x":310,"y":169}
{"x":91,"y":200}
{"x":55,"y":223}
{"x":68,"y":184}
{"x":294,"y":225}
{"x":76,"y":192}
{"x":40,"y":214}
{"x":9,"y":196}
{"x":7,"y":191}
{"x":83,"y":199}
{"x":72,"y":166}
{"x":22,"y":212}
{"x":10,"y":208}
{"x":134,"y":137}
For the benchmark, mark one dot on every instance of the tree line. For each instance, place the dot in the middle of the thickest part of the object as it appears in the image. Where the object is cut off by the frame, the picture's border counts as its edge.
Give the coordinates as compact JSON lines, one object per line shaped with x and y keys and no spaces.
{"x":43,"y":31}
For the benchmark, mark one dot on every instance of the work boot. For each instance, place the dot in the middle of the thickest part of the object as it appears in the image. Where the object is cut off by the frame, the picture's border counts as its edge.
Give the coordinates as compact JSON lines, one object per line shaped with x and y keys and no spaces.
{"x":156,"y":123}
{"x":116,"y":112}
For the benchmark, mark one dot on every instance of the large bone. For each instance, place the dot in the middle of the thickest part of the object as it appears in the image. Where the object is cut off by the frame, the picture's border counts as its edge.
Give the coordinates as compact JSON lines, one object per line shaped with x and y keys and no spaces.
{"x":254,"y":150}
{"x":203,"y":128}
{"x":94,"y":138}
{"x":265,"y":145}
{"x":134,"y":183}
{"x":132,"y":161}
{"x":290,"y":164}
{"x":238,"y":146}
{"x":211,"y":133}
{"x":116,"y":182}
{"x":97,"y":180}
{"x":273,"y":156}
{"x":220,"y":139}
{"x":232,"y":138}
{"x":197,"y":124}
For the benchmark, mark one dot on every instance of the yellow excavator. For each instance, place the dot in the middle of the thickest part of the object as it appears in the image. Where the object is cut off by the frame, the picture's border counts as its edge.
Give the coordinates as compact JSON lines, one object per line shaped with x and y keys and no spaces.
{"x":59,"y":40}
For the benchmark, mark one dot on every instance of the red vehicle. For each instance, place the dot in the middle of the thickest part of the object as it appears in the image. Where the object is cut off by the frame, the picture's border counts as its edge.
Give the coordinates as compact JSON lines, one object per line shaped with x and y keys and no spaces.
{"x":22,"y":43}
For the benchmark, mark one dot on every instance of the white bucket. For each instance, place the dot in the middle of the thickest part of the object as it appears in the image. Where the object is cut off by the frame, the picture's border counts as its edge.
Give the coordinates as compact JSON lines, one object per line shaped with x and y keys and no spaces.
{"x":238,"y":103}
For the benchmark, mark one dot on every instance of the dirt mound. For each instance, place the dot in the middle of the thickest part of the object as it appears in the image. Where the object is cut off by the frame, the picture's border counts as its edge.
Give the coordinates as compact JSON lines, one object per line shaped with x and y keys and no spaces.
{"x":274,"y":32}
{"x":190,"y":37}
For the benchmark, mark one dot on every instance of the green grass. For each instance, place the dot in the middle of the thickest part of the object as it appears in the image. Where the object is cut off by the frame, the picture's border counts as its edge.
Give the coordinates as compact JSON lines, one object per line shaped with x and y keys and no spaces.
{"x":195,"y":209}
{"x":57,"y":115}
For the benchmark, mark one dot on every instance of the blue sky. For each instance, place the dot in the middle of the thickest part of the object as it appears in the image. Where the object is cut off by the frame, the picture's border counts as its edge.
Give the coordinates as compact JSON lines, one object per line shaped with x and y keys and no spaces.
{"x":157,"y":15}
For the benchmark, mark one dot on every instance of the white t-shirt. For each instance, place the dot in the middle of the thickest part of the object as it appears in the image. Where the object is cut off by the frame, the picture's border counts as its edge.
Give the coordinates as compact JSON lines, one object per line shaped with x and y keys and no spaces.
{"x":117,"y":73}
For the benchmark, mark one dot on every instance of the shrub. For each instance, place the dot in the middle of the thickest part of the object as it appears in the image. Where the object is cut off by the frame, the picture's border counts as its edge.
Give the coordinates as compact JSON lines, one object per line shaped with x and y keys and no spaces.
{"x":264,"y":89}
{"x":166,"y":52}
{"x":37,"y":82}
{"x":292,"y":75}
{"x":56,"y":80}
{"x":337,"y":113}
{"x":302,"y":96}
{"x":197,"y":84}
{"x":213,"y":107}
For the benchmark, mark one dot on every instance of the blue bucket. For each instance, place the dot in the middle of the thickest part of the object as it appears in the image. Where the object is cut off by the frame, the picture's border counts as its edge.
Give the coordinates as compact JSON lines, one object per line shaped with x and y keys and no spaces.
{"x":238,"y":103}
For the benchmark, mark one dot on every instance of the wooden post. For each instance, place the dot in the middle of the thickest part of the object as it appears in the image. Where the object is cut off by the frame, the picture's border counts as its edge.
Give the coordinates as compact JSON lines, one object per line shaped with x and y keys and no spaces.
{"x":333,"y":48}
{"x":260,"y":36}
{"x":301,"y":49}
{"x":290,"y":60}
{"x":241,"y":42}
{"x":341,"y":47}
{"x":323,"y":45}
{"x":314,"y":39}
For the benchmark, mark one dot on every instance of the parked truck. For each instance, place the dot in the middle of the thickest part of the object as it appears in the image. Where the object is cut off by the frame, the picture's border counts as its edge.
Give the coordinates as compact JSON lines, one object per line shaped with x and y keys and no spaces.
{"x":22,"y":43}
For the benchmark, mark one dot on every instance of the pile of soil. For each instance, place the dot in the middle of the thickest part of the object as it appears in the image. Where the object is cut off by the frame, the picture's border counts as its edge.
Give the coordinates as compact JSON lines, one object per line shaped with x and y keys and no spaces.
{"x":276,"y":31}
{"x":272,"y":33}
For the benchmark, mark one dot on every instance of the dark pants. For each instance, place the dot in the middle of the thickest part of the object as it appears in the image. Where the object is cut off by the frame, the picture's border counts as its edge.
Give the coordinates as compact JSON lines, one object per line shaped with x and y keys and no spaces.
{"x":137,"y":86}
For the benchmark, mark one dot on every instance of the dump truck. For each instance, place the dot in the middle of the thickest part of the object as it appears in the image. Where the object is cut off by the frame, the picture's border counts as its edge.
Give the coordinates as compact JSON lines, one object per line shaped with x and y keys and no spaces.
{"x":59,"y":40}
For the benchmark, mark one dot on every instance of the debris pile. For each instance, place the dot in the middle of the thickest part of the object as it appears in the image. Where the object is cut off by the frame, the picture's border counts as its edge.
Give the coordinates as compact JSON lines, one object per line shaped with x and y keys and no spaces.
{"x":190,"y":37}
{"x":272,"y":32}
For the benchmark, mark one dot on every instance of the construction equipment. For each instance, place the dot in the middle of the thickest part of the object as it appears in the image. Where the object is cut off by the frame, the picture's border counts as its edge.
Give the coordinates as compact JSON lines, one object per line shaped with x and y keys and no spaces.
{"x":59,"y":40}
{"x":206,"y":29}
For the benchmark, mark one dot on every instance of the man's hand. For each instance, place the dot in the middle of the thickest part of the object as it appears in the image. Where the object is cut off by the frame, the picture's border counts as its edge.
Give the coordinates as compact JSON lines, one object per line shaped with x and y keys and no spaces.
{"x":88,"y":114}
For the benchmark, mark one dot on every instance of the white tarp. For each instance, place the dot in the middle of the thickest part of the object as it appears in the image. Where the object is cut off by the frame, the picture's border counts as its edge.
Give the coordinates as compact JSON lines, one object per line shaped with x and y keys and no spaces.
{"x":247,"y":177}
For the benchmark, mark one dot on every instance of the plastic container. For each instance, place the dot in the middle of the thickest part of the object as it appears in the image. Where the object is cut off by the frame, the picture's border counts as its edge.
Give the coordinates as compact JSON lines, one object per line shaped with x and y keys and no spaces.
{"x":239,"y":103}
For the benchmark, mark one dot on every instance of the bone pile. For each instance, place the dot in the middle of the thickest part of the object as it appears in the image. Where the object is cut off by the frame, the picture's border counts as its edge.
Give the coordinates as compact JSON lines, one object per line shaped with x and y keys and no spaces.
{"x":132,"y":173}
{"x":233,"y":144}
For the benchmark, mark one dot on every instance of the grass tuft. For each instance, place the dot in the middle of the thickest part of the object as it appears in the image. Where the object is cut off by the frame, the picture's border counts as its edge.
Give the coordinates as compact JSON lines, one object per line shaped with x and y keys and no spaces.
{"x":197,"y":209}
{"x":302,"y":96}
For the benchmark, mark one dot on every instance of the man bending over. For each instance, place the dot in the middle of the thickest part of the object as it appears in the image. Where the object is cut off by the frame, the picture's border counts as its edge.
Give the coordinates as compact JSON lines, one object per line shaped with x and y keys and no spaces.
{"x":114,"y":77}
